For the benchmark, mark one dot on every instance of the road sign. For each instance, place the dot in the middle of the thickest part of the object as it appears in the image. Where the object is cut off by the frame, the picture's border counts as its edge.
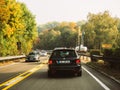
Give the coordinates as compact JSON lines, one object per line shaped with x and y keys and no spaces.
{"x":106,"y":46}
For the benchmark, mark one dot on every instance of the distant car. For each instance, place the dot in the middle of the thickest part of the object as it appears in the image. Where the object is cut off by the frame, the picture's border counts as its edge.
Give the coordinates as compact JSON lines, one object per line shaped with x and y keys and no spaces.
{"x":43,"y":53}
{"x":64,"y":60}
{"x":33,"y":56}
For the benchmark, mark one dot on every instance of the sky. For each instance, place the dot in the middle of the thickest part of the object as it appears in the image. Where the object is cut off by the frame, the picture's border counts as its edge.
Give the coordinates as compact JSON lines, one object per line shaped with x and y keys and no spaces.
{"x":70,"y":10}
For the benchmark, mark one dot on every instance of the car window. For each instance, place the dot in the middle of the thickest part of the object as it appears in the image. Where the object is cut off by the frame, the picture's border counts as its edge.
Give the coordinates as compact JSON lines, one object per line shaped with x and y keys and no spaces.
{"x":43,"y":52}
{"x":64,"y":53}
{"x":32,"y":53}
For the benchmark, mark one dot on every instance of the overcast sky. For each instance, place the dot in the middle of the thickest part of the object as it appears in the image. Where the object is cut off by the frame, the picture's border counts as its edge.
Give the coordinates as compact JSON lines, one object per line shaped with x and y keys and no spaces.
{"x":70,"y":10}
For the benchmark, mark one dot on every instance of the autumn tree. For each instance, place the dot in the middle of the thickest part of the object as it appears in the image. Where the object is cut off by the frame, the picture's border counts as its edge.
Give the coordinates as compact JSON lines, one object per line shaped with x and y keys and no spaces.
{"x":30,"y":31}
{"x":15,"y":21}
{"x":63,"y":35}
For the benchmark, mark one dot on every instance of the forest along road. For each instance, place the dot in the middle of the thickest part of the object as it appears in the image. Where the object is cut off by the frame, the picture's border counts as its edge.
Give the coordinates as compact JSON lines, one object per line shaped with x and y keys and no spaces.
{"x":33,"y":76}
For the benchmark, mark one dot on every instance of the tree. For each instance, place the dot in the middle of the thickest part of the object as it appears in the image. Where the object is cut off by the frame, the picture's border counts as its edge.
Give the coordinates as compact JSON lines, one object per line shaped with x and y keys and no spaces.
{"x":10,"y":22}
{"x":103,"y":29}
{"x":118,"y":35}
{"x":63,"y":35}
{"x":17,"y":25}
{"x":30,"y":33}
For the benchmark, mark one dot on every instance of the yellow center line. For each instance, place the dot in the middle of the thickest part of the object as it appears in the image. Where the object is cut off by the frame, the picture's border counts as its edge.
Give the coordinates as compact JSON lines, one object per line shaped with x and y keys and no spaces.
{"x":20,"y":77}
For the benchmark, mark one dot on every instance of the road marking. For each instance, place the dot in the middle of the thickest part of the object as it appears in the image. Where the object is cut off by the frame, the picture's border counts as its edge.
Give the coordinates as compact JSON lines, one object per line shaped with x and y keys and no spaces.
{"x":101,"y":83}
{"x":8,"y":84}
{"x":7,"y":65}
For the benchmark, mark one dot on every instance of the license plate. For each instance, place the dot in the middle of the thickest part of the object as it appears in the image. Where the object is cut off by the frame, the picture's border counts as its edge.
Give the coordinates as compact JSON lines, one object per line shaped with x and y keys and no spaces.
{"x":63,"y":62}
{"x":31,"y":58}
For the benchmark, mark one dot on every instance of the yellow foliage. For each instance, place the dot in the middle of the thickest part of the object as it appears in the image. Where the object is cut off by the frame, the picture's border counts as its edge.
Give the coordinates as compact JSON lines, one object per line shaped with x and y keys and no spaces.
{"x":4,"y":12}
{"x":8,"y":30}
{"x":72,"y":24}
{"x":2,"y":2}
{"x":64,"y":24}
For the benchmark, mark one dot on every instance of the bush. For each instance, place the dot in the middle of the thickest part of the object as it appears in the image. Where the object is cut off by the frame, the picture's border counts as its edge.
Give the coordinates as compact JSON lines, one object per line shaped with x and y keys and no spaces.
{"x":108,"y":52}
{"x":116,"y":53}
{"x":112,"y":56}
{"x":112,"y":52}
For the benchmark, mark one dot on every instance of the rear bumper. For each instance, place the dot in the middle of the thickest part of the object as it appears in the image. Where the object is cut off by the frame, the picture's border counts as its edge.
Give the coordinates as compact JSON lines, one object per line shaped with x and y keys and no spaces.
{"x":65,"y":68}
{"x":32,"y":60}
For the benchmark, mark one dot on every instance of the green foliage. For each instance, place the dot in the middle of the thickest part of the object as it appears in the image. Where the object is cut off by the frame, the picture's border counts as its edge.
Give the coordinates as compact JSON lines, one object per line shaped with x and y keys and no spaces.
{"x":17,"y":24}
{"x":112,"y":56}
{"x":108,"y":52}
{"x":112,"y":52}
{"x":116,"y":52}
{"x":30,"y":30}
{"x":47,"y":26}
{"x":63,"y":35}
{"x":101,"y":28}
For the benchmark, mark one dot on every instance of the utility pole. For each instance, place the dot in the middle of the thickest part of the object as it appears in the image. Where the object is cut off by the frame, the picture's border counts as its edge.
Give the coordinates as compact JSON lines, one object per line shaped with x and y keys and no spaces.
{"x":79,"y":34}
{"x":78,"y":37}
{"x":82,"y":38}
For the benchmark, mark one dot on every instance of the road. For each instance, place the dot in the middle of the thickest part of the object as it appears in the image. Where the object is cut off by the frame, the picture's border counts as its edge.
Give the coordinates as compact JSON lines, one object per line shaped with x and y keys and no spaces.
{"x":33,"y":76}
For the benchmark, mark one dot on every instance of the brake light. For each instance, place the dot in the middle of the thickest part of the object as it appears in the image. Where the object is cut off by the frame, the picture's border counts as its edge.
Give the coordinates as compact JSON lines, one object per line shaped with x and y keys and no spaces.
{"x":50,"y":62}
{"x":78,"y":61}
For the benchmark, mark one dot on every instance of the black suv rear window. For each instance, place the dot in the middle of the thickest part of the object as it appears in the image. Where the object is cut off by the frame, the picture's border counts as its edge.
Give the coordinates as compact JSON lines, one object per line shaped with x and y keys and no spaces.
{"x":63,"y":54}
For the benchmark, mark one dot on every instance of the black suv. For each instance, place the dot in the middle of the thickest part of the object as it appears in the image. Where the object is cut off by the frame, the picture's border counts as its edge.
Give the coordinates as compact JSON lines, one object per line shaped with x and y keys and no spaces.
{"x":64,"y":60}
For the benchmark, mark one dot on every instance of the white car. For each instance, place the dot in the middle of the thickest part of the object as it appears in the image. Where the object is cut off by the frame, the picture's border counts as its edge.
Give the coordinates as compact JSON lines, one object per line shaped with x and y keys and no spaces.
{"x":33,"y":56}
{"x":43,"y":53}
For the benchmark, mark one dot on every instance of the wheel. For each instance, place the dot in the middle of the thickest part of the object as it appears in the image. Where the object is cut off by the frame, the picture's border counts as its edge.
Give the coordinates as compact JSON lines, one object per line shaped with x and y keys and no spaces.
{"x":49,"y":73}
{"x":79,"y":73}
{"x":26,"y":60}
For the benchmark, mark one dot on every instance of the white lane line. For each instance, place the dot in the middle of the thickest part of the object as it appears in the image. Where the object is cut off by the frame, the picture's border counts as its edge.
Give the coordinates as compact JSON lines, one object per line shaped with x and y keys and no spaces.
{"x":101,"y":83}
{"x":7,"y":65}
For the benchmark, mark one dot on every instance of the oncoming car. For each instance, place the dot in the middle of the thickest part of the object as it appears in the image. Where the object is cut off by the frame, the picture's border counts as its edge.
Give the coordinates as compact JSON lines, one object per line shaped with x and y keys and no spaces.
{"x":64,"y":60}
{"x":33,"y":56}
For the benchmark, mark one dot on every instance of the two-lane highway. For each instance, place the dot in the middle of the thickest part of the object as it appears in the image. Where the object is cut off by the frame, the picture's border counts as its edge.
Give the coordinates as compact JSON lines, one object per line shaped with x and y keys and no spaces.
{"x":33,"y":76}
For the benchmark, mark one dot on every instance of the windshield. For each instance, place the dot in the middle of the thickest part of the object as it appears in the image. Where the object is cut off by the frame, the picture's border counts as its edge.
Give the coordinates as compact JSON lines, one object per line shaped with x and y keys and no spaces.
{"x":32,"y":53}
{"x":64,"y":53}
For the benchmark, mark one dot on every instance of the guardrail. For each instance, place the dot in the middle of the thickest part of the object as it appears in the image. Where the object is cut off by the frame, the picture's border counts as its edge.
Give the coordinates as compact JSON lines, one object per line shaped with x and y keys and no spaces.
{"x":10,"y":58}
{"x":112,"y":59}
{"x":104,"y":58}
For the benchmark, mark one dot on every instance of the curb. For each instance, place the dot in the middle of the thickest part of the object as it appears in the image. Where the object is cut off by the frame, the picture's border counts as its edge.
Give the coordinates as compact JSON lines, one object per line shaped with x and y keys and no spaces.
{"x":111,"y":77}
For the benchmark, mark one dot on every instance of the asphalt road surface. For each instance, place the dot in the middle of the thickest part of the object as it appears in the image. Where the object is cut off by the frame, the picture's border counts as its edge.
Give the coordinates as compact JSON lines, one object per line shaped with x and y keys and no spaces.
{"x":33,"y":76}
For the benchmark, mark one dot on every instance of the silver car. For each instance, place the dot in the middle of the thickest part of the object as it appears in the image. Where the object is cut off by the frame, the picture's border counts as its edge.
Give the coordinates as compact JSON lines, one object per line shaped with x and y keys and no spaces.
{"x":33,"y":56}
{"x":43,"y":53}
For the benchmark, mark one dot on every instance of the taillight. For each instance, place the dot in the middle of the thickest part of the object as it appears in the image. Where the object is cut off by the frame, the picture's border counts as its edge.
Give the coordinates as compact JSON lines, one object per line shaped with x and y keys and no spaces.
{"x":77,"y":61}
{"x":50,"y":62}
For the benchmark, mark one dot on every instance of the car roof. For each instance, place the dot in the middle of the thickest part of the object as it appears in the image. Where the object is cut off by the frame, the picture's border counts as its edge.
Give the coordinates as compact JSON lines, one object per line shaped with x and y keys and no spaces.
{"x":64,"y":49}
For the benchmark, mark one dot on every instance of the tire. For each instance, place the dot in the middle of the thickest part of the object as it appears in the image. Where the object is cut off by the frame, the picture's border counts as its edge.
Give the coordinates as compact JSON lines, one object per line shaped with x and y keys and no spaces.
{"x":49,"y":74}
{"x":26,"y":60}
{"x":79,"y":73}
